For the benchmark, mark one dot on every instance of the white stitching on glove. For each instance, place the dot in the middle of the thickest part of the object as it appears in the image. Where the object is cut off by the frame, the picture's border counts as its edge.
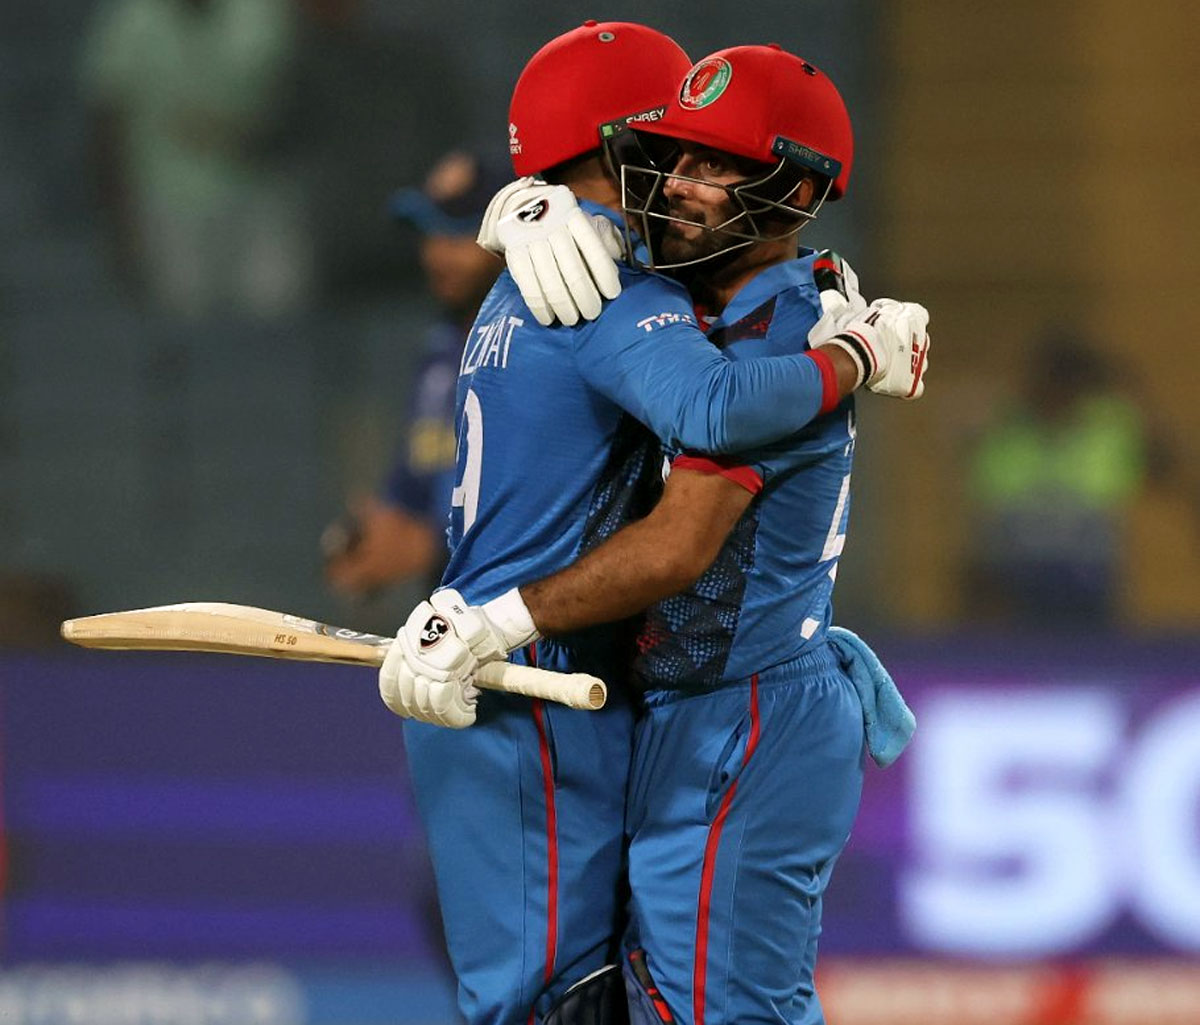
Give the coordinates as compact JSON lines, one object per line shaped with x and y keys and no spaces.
{"x":562,"y":259}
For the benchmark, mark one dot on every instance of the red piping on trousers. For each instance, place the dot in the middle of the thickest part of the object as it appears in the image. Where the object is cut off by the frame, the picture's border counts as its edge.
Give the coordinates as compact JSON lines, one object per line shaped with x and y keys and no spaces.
{"x":539,"y":717}
{"x":700,"y":965}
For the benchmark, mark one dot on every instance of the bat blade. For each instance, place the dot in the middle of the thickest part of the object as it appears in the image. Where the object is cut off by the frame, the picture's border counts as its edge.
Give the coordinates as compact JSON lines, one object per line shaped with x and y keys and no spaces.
{"x":229,"y":629}
{"x":232,"y":629}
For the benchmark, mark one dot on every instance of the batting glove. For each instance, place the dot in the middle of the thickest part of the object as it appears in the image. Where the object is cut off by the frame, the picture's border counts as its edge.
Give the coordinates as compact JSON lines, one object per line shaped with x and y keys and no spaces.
{"x":427,"y":672}
{"x":890,"y":344}
{"x":562,"y":259}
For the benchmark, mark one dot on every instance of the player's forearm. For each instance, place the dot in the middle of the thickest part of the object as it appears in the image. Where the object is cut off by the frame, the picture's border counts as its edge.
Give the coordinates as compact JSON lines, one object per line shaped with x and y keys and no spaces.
{"x":722,"y":406}
{"x":845,"y":371}
{"x":628,"y":573}
{"x":646,"y":561}
{"x":695,"y":398}
{"x":760,"y":401}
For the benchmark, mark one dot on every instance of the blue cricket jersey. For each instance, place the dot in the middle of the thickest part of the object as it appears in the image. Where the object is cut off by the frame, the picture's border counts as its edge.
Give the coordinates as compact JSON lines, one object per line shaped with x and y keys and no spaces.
{"x":423,"y":477}
{"x":767,"y":597}
{"x":549,"y":456}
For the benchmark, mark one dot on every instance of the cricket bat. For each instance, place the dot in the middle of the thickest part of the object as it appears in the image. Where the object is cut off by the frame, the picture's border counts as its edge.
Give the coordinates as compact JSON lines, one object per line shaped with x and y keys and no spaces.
{"x":245,"y":630}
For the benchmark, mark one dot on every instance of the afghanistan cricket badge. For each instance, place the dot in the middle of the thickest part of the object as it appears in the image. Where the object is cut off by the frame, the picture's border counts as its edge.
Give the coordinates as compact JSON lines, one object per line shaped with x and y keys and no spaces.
{"x":705,"y":83}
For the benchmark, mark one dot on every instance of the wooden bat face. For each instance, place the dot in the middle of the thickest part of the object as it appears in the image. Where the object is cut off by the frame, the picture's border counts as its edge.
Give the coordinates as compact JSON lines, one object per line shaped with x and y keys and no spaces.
{"x":224,"y":627}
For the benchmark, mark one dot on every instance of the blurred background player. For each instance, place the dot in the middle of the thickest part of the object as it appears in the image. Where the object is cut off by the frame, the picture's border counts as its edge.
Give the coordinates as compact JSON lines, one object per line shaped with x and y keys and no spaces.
{"x":188,"y":99}
{"x":400,"y":534}
{"x":1053,"y":478}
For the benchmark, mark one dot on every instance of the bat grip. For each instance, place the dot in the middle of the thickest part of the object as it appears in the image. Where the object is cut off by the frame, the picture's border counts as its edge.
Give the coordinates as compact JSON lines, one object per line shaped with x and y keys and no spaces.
{"x":576,"y":690}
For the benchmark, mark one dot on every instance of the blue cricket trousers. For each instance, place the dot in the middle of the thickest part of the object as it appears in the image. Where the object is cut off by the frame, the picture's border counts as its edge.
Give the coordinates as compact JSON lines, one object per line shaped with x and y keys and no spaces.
{"x":524,"y":816}
{"x":740,"y":801}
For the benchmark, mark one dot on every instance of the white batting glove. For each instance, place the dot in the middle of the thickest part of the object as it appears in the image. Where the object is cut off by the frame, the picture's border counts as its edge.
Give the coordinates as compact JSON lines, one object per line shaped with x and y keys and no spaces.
{"x":562,"y":259}
{"x":890,"y":344}
{"x":427,"y":672}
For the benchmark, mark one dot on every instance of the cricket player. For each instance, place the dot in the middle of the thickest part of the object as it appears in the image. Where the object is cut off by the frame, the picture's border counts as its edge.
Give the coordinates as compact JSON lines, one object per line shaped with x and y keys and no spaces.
{"x":747,"y":764}
{"x":400,"y":533}
{"x":525,"y":811}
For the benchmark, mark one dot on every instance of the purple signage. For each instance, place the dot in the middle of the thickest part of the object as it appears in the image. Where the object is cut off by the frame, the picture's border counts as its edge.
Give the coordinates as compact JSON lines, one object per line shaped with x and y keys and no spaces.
{"x":180,"y":807}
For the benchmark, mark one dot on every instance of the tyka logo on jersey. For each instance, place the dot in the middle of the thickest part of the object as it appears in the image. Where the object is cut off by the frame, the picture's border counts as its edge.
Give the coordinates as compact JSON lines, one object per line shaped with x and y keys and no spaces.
{"x":534,"y":211}
{"x":433,"y":631}
{"x":649,"y":324}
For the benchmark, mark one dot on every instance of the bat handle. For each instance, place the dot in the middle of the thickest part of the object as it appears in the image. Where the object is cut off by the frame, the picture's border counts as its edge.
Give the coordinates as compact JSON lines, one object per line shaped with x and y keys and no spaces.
{"x":576,"y":690}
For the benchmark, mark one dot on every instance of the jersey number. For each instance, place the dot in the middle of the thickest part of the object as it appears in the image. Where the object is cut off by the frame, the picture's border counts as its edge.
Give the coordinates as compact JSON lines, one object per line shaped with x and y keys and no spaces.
{"x":835,"y":540}
{"x":466,"y":491}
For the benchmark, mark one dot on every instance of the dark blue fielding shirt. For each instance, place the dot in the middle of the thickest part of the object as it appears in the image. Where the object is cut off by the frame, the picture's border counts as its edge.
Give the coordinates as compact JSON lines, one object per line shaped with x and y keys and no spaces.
{"x":422,"y":479}
{"x":767,"y":597}
{"x":542,"y":422}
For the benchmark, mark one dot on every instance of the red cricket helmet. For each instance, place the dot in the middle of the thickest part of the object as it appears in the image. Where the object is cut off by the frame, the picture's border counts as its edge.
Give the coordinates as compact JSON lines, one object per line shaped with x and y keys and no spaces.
{"x":766,"y":104}
{"x":756,"y":102}
{"x":598,"y":73}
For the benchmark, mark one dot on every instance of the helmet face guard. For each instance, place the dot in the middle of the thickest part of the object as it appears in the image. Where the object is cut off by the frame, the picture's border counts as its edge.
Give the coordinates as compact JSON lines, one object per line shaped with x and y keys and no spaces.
{"x":760,"y":211}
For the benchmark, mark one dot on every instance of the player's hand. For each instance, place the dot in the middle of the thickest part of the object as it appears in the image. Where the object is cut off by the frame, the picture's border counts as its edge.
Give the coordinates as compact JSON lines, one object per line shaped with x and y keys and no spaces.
{"x":428,"y":669}
{"x":841,"y":302}
{"x":375,"y":545}
{"x":890,"y":344}
{"x":562,"y":259}
{"x":427,"y":672}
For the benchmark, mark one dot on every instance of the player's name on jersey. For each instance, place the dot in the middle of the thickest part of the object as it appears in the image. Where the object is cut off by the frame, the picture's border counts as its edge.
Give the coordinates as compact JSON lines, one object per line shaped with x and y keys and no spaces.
{"x":489,"y":345}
